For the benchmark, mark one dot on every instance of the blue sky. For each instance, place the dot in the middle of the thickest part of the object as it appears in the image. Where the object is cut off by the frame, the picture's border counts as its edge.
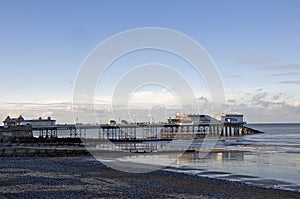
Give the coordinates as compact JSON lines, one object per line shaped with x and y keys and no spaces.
{"x":255,"y":45}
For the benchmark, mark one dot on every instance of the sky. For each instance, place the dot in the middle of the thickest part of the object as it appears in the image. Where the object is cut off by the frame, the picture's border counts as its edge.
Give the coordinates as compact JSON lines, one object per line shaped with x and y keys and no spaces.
{"x":255,"y":46}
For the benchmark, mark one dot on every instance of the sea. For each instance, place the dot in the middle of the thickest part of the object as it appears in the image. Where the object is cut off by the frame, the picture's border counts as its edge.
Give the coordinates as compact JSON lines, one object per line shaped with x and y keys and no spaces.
{"x":269,"y":159}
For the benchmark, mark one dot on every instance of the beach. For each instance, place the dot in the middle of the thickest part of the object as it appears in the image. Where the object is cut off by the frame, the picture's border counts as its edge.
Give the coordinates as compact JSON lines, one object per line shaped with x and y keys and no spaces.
{"x":84,"y":177}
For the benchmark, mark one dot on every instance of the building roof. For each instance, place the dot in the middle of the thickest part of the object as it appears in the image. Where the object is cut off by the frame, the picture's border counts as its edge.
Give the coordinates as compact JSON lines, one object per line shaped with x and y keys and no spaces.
{"x":234,"y":115}
{"x":203,"y":118}
{"x":40,"y":119}
{"x":20,"y":119}
{"x":7,"y":120}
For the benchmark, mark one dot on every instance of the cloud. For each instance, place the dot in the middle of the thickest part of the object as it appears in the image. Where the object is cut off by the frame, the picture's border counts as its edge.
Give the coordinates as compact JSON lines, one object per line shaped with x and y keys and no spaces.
{"x":255,"y":103}
{"x":286,"y":74}
{"x":297,"y":104}
{"x":143,"y":98}
{"x":257,"y":97}
{"x":290,"y":82}
{"x":231,"y":101}
{"x":273,"y":115}
{"x":260,"y":106}
{"x":277,"y":96}
{"x":283,"y":67}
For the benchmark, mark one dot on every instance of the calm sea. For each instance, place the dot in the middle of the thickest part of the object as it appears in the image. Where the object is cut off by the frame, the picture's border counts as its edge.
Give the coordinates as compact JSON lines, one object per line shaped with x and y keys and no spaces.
{"x":271,"y":159}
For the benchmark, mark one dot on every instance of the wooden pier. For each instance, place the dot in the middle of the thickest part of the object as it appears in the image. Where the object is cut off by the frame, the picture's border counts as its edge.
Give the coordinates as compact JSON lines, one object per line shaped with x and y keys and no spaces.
{"x":43,"y":137}
{"x":149,"y":132}
{"x":131,"y":138}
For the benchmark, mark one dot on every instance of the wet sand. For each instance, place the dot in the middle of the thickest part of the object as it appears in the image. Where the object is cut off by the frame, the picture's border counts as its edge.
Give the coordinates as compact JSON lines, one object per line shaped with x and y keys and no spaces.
{"x":81,"y":177}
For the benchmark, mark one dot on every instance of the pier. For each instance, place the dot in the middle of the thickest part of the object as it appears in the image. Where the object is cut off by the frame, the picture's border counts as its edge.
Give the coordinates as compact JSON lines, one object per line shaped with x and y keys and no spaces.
{"x":184,"y":127}
{"x":131,"y":138}
{"x":148,"y":132}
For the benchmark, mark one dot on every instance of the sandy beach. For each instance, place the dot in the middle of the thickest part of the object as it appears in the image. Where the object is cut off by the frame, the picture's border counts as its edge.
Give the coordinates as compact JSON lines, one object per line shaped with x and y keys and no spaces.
{"x":82,"y":177}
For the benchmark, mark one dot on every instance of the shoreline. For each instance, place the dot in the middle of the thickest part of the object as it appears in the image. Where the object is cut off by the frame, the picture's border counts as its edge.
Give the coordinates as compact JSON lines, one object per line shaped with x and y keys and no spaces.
{"x":254,"y":181}
{"x":84,"y":177}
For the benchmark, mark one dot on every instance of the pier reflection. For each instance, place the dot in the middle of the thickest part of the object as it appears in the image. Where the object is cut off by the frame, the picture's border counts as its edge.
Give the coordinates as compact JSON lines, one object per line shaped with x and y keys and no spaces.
{"x":220,"y":157}
{"x":161,"y":150}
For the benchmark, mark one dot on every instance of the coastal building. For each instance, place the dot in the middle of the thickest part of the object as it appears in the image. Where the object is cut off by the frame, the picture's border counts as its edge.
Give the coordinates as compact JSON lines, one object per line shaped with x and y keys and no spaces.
{"x":192,"y":119}
{"x":180,"y":119}
{"x":36,"y":123}
{"x":14,"y":129}
{"x":8,"y":122}
{"x":198,"y":119}
{"x":20,"y":128}
{"x":233,"y":119}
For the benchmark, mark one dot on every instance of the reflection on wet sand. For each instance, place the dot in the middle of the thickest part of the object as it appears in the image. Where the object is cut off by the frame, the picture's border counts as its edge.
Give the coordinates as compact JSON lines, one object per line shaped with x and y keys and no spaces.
{"x":218,"y":157}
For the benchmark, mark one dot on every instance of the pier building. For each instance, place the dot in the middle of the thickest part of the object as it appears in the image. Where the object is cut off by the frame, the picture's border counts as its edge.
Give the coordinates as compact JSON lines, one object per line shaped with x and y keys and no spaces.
{"x":13,"y":130}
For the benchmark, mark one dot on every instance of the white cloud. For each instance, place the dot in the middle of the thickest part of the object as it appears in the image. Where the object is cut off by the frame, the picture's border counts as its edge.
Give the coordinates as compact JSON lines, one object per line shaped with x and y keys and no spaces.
{"x":290,"y":82}
{"x":297,"y":104}
{"x":284,"y":67}
{"x":149,"y":98}
{"x":255,"y":103}
{"x":261,"y":106}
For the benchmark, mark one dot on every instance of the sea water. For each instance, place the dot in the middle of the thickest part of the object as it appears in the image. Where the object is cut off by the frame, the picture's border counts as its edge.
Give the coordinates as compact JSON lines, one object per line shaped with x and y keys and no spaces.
{"x":269,"y":159}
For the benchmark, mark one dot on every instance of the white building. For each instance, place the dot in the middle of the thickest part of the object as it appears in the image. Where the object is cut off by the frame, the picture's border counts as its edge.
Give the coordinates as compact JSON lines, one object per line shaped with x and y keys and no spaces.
{"x":20,"y":121}
{"x":192,"y":119}
{"x":35,"y":123}
{"x":233,"y":118}
{"x":200,"y":119}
